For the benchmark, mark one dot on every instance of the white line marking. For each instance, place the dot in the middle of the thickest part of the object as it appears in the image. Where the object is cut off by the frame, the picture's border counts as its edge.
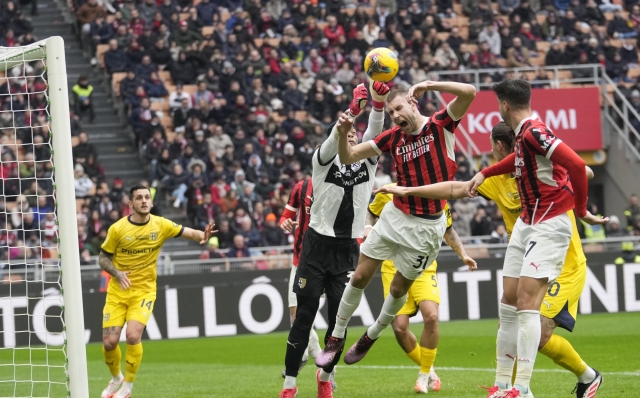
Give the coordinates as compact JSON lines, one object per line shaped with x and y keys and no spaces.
{"x":460,"y":369}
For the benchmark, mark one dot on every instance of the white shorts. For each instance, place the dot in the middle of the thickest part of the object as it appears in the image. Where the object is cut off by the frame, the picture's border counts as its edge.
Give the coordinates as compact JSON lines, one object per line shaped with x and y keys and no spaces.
{"x":413,"y":243}
{"x":538,"y":251}
{"x":293,"y":298}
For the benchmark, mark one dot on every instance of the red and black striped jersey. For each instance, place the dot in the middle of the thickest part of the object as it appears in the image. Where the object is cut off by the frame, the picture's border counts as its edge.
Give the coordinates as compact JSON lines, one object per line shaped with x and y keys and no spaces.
{"x":423,"y":158}
{"x":543,"y":185}
{"x":299,"y":205}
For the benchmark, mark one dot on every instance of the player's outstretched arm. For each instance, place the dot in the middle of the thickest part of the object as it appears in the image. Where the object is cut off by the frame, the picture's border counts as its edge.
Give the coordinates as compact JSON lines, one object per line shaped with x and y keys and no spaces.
{"x":448,"y":190}
{"x":379,"y":93}
{"x":505,"y":166}
{"x":350,"y":154}
{"x":201,"y":237}
{"x":453,"y":240}
{"x":465,"y":93}
{"x":105,"y":261}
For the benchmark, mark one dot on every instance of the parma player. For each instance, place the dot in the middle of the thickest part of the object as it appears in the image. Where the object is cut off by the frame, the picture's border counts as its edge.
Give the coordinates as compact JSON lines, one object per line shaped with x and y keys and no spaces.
{"x":423,"y":297}
{"x":410,"y":230}
{"x":129,"y":254}
{"x":341,"y":194}
{"x":295,"y":218}
{"x":552,"y":181}
{"x":560,"y":304}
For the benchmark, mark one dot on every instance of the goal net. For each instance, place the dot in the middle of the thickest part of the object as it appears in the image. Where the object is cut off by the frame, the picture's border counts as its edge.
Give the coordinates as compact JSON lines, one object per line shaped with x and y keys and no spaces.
{"x":42,"y":352}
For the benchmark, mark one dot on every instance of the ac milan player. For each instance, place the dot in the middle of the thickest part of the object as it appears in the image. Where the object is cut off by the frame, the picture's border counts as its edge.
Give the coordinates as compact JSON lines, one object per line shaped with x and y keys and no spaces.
{"x":551,"y":181}
{"x":299,"y":209}
{"x":341,"y":194}
{"x":409,"y":230}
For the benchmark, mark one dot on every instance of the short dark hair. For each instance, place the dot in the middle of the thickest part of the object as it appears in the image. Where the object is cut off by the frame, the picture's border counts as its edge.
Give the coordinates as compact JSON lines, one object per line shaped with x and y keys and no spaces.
{"x":503,"y":133}
{"x":516,"y":92}
{"x":396,"y":93}
{"x":134,"y":188}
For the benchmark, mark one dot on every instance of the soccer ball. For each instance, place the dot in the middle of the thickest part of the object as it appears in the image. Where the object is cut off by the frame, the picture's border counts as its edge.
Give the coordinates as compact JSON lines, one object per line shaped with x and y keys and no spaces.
{"x":381,"y":64}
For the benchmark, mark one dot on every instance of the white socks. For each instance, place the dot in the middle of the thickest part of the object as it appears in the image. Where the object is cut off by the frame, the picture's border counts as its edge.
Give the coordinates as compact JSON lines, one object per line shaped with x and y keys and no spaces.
{"x":289,"y":382}
{"x":128,"y":385}
{"x":507,"y":348}
{"x":118,"y":378}
{"x":389,"y":310}
{"x":324,"y":376}
{"x":587,"y":376}
{"x":348,"y":304}
{"x":314,"y":346}
{"x":528,"y":340}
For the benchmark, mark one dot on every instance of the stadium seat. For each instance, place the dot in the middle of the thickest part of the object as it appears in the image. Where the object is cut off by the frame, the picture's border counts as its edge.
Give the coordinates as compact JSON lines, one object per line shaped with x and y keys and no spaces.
{"x":165,"y":76}
{"x":184,"y":16}
{"x":160,"y":106}
{"x":171,"y":135}
{"x":100,"y":50}
{"x":207,"y":30}
{"x":190,"y":88}
{"x":116,"y":78}
{"x":633,"y":73}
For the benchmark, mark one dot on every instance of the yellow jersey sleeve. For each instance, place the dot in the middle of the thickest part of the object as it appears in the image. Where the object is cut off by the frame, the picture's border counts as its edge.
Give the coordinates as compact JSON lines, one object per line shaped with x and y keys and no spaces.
{"x":110,"y":243}
{"x":447,"y":212}
{"x":380,"y":200}
{"x":488,"y":189}
{"x":170,"y":229}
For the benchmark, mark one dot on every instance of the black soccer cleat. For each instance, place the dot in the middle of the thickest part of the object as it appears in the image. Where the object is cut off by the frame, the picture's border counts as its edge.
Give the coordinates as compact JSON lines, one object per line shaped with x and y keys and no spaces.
{"x":588,"y":390}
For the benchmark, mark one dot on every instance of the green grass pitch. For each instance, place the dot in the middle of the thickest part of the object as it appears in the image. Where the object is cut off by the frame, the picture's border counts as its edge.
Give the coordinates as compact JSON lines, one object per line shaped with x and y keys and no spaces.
{"x":250,"y":366}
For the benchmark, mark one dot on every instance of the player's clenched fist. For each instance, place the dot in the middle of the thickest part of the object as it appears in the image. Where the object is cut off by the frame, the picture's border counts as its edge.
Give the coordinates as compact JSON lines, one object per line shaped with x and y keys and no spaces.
{"x":359,"y":101}
{"x":345,"y":124}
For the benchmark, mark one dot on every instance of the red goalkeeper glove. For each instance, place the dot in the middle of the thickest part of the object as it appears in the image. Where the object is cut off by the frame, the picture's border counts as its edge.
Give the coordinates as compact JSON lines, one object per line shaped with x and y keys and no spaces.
{"x":360,"y":97}
{"x":379,"y":94}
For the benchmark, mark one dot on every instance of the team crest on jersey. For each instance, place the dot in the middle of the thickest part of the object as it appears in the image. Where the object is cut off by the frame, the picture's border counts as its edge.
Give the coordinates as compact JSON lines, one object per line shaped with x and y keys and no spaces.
{"x":154,"y":235}
{"x":106,"y":316}
{"x":302,"y":282}
{"x":356,"y":166}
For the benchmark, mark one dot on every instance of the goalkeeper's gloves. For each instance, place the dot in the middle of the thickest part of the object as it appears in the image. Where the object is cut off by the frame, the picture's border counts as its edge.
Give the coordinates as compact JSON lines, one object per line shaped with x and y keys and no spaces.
{"x":360,"y":97}
{"x":379,"y":94}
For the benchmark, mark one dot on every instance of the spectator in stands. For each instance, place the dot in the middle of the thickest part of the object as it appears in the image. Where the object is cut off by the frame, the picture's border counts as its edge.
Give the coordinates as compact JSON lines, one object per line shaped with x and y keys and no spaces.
{"x":552,"y":28}
{"x":445,"y":55}
{"x":147,"y":10}
{"x":620,"y":28}
{"x":115,"y":60}
{"x":518,"y":55}
{"x":480,"y":224}
{"x":251,"y":235}
{"x":528,"y":39}
{"x":571,"y":51}
{"x":183,"y":70}
{"x":177,"y":185}
{"x":491,"y":36}
{"x":499,"y":235}
{"x":582,"y":73}
{"x":145,"y":67}
{"x":632,"y":213}
{"x":155,"y":89}
{"x":506,"y":7}
{"x":82,"y":100}
{"x":506,"y":40}
{"x":101,"y":32}
{"x":613,"y":228}
{"x":240,"y":250}
{"x":176,"y":97}
{"x":629,"y":54}
{"x":83,"y":149}
{"x":140,"y":119}
{"x":87,"y":14}
{"x":272,"y":235}
{"x":84,"y":187}
{"x":617,"y":69}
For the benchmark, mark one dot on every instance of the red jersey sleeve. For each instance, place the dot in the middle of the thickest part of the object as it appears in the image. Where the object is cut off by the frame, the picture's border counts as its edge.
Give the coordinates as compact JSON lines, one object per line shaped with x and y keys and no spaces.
{"x":444,"y":119}
{"x":294,"y":199}
{"x":382,"y":143}
{"x":505,"y":166}
{"x":567,"y":158}
{"x":542,"y":141}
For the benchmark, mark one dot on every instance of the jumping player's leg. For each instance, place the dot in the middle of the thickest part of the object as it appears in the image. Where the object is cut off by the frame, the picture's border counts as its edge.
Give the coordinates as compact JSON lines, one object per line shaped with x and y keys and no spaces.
{"x":298,"y":338}
{"x":314,"y":347}
{"x":332,"y":309}
{"x":392,"y":304}
{"x":367,"y":268}
{"x":405,"y":338}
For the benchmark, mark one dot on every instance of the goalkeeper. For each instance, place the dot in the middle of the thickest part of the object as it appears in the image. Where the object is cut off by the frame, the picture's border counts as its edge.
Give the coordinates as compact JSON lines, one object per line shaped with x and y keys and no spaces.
{"x":129,"y":254}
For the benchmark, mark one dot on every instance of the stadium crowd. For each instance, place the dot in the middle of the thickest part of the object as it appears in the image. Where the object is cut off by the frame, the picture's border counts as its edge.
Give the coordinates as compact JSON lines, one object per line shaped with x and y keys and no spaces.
{"x":228,"y":98}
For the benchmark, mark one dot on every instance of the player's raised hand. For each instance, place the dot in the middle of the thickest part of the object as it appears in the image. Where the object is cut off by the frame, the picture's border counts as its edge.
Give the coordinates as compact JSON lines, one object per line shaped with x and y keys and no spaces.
{"x":416,"y":91}
{"x":473,"y":185}
{"x":208,"y":231}
{"x":594,"y":220}
{"x":471,"y":263}
{"x":392,"y":189}
{"x":379,"y":93}
{"x":345,"y":124}
{"x":123,"y":280}
{"x":288,"y":225}
{"x":359,"y":101}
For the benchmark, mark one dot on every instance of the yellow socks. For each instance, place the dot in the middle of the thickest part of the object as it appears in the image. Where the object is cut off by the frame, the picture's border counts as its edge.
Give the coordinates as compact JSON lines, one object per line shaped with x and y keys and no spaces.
{"x":414,"y":355}
{"x":427,"y":358}
{"x":132,"y":361}
{"x":560,"y":351}
{"x":112,"y":359}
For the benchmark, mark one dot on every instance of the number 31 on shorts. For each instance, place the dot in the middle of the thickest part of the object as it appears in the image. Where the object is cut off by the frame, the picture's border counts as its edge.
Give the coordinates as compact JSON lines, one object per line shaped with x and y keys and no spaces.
{"x":422,"y":262}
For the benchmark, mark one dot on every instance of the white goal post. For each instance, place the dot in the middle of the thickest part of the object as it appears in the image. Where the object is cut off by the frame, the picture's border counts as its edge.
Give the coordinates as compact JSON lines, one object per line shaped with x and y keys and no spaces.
{"x":51,"y":52}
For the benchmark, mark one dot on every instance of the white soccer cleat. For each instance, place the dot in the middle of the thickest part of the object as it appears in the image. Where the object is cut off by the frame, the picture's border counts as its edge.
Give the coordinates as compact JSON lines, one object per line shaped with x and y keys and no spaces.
{"x":434,"y":382}
{"x":112,"y":388}
{"x":123,"y":392}
{"x":422,"y":384}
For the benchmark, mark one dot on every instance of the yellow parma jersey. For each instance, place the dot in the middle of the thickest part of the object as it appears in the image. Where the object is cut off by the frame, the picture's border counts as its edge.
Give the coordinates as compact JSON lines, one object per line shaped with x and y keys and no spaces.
{"x":502,"y":189}
{"x":375,"y":208}
{"x":135,"y":248}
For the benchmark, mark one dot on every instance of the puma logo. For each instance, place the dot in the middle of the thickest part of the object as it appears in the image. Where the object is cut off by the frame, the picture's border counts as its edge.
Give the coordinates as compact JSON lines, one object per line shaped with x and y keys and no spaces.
{"x":130,"y":363}
{"x":534,"y":266}
{"x":110,"y":363}
{"x":294,"y":345}
{"x":510,"y":356}
{"x":545,"y":302}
